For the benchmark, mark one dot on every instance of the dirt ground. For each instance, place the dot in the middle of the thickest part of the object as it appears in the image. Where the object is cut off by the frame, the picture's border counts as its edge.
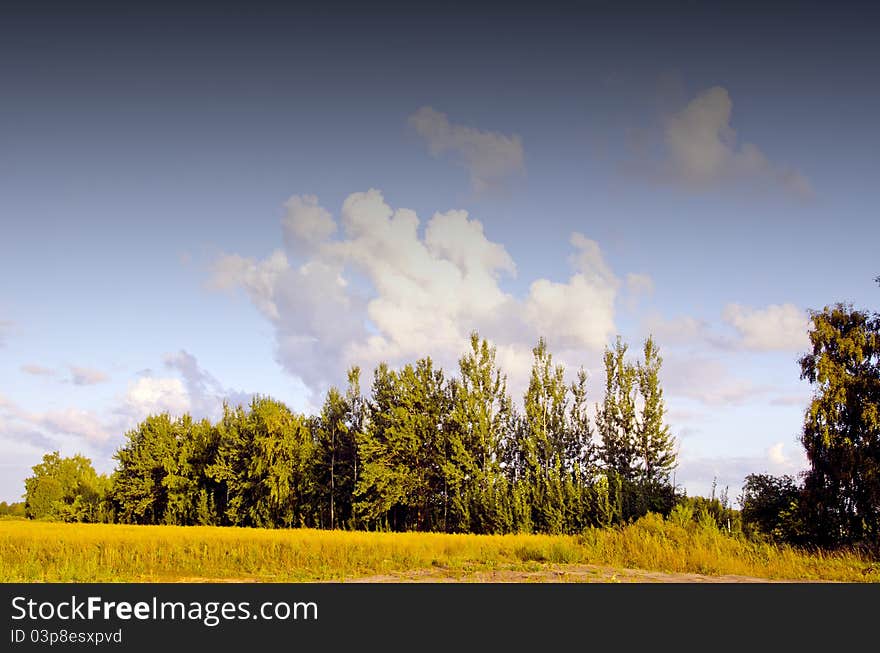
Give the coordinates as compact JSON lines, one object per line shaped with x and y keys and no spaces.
{"x":545,"y":573}
{"x":556,"y":574}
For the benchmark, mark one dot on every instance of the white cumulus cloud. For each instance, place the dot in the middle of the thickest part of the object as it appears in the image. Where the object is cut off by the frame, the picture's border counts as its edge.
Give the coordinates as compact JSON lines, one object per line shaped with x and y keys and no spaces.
{"x":151,"y":395}
{"x":579,"y":313}
{"x":777,"y":327}
{"x":377,"y":288}
{"x":258,"y":278}
{"x":305,"y":223}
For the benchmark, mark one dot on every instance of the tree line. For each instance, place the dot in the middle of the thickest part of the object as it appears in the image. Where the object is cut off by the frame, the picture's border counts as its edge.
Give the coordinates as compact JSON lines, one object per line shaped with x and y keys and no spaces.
{"x":427,"y":451}
{"x":422,"y":450}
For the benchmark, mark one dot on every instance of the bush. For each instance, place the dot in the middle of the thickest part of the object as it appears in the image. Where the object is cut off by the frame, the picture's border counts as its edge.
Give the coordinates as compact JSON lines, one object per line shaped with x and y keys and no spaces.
{"x":771,"y":508}
{"x":682,"y":515}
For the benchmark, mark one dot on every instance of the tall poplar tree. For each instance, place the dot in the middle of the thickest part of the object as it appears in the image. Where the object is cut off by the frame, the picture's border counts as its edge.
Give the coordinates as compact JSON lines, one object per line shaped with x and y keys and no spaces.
{"x":480,"y":414}
{"x":581,"y":447}
{"x":545,"y":404}
{"x":336,"y":461}
{"x":616,"y":416}
{"x":548,"y":441}
{"x":656,"y":446}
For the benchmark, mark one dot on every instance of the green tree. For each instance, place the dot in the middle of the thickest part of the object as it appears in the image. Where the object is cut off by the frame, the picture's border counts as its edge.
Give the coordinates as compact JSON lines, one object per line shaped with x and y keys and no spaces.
{"x":264,"y":462}
{"x":139,"y":491}
{"x":616,"y":415}
{"x":656,"y":446}
{"x":65,"y":489}
{"x":402,"y":449}
{"x":556,"y":448}
{"x":841,"y":431}
{"x":193,"y":497}
{"x":14,"y":509}
{"x":336,"y":460}
{"x":770,"y":507}
{"x":581,"y":449}
{"x":549,"y":440}
{"x":473,"y":476}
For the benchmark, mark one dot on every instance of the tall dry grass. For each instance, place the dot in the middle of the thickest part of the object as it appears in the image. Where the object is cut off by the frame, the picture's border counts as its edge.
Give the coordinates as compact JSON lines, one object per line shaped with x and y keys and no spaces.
{"x":42,"y":551}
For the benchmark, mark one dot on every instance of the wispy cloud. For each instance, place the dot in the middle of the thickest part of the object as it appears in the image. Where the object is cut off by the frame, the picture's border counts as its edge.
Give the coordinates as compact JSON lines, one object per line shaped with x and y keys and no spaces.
{"x":802,"y":399}
{"x":48,"y":429}
{"x":698,"y":150}
{"x":679,"y":330}
{"x":86,"y":376}
{"x":702,"y":148}
{"x":79,"y":423}
{"x":708,"y":381}
{"x":187,"y":388}
{"x":37,"y":370}
{"x":489,"y":157}
{"x":6,"y":327}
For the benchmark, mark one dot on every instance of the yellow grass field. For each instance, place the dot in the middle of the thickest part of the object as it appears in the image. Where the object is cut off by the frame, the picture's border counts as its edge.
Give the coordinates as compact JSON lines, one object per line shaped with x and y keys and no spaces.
{"x":55,"y":552}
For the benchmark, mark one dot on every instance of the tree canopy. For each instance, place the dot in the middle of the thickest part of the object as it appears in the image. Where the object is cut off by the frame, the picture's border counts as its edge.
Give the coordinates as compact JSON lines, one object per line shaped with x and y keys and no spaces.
{"x":841,"y":433}
{"x":424,"y":450}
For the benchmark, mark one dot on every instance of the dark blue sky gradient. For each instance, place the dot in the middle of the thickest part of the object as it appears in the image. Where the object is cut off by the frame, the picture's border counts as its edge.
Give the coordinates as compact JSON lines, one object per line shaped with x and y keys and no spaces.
{"x":139,"y":142}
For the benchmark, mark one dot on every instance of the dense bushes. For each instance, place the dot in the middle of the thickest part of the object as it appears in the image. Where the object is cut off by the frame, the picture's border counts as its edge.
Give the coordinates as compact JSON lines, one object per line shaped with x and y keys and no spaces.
{"x":771,"y":508}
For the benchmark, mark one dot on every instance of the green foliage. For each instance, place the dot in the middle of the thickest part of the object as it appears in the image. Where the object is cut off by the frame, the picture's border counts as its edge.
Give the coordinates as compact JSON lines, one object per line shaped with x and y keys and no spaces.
{"x":770,"y":507}
{"x":636,"y":446}
{"x":653,"y":438}
{"x":473,"y":453}
{"x":403,"y":451}
{"x":139,"y":491}
{"x":13,"y":510}
{"x":554,"y":447}
{"x":335,"y":468}
{"x":264,"y":463}
{"x":616,"y":416}
{"x":712,"y":512}
{"x":162,"y":473}
{"x":427,"y":452}
{"x":842,"y":426}
{"x":65,"y":489}
{"x":421,"y":452}
{"x":682,"y":515}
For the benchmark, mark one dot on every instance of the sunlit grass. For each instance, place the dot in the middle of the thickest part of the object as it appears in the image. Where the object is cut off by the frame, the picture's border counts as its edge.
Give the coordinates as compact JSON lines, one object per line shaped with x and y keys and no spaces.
{"x":42,"y":551}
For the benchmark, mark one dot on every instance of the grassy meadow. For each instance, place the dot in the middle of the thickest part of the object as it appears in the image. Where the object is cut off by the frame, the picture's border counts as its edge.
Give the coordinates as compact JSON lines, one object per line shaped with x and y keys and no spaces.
{"x":33,"y":551}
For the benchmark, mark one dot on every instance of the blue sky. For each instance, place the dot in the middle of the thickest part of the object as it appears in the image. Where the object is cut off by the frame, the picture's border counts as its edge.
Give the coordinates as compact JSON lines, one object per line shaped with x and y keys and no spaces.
{"x":720,"y":169}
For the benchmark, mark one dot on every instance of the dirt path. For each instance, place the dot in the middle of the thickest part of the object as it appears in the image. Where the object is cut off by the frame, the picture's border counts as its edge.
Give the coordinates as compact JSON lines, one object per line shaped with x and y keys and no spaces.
{"x":556,"y":574}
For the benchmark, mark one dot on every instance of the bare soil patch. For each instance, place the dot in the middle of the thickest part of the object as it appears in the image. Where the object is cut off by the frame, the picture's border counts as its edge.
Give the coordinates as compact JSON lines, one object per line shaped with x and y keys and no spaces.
{"x":556,"y":574}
